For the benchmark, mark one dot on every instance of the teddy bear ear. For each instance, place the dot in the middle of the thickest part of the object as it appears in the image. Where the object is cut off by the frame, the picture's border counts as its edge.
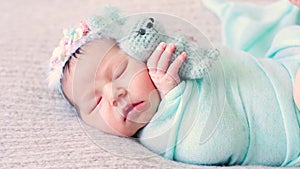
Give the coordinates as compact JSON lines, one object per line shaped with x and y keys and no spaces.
{"x":108,"y":20}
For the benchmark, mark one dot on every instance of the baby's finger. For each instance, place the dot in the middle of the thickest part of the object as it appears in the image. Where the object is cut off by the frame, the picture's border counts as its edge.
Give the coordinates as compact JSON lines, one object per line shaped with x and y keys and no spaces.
{"x":165,"y":59}
{"x":155,"y":56}
{"x":177,"y":63}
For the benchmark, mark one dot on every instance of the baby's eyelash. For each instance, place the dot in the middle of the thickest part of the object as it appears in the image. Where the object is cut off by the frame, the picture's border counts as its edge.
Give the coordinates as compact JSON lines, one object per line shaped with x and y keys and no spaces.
{"x":94,"y":106}
{"x":98,"y":100}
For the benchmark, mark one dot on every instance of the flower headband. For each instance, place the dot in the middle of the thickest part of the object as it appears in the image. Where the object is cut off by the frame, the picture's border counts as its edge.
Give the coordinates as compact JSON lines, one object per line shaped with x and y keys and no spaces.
{"x":63,"y":52}
{"x":97,"y":26}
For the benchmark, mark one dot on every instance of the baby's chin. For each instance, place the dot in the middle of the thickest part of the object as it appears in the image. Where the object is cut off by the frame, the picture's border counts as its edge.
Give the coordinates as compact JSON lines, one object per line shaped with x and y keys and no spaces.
{"x":130,"y":130}
{"x":133,"y":126}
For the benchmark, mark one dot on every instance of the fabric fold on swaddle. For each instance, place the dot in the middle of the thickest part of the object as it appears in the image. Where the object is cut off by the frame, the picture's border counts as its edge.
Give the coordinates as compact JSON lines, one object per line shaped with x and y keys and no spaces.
{"x":250,"y":27}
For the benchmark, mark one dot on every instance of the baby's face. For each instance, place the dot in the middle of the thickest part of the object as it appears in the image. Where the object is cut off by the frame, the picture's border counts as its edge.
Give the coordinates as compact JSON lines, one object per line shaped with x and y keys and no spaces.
{"x":110,"y":90}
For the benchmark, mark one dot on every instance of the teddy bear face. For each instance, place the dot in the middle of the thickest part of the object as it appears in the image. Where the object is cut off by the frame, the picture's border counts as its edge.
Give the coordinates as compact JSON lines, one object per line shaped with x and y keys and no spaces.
{"x":142,"y":39}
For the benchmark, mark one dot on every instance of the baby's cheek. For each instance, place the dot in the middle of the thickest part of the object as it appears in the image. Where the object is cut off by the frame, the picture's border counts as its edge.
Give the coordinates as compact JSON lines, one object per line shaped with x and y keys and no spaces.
{"x":139,"y":79}
{"x":147,"y":82}
{"x":142,"y":86}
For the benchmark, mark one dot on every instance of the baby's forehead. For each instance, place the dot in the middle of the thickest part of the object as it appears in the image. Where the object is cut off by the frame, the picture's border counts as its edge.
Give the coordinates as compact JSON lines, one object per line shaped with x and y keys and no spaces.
{"x":95,"y":52}
{"x":97,"y":55}
{"x":98,"y":46}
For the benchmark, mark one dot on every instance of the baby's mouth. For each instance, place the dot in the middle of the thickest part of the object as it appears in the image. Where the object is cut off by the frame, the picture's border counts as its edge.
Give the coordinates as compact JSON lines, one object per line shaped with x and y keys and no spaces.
{"x":129,"y":107}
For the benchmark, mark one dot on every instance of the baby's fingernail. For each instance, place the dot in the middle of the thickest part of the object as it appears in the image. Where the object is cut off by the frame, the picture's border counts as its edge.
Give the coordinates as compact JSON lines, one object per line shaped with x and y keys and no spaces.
{"x":183,"y":55}
{"x":163,"y":45}
{"x":171,"y":47}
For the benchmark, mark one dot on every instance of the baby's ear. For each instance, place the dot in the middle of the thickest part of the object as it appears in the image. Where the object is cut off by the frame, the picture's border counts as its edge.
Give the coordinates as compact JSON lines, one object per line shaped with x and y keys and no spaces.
{"x":108,"y":21}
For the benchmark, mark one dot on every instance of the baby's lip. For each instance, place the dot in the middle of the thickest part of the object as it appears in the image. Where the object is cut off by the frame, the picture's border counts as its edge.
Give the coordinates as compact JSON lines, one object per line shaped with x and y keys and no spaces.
{"x":128,"y":108}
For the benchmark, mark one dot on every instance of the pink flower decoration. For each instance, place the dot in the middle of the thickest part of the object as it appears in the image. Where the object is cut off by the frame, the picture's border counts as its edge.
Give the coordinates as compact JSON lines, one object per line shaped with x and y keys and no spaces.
{"x":85,"y":28}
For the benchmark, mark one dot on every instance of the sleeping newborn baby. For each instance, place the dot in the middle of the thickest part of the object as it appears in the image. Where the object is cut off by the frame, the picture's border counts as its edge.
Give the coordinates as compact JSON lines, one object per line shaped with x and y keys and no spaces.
{"x":240,"y":111}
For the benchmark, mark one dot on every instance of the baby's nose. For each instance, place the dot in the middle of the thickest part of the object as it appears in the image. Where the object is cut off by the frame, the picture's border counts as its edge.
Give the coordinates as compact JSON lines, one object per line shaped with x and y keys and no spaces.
{"x":118,"y":95}
{"x":114,"y":93}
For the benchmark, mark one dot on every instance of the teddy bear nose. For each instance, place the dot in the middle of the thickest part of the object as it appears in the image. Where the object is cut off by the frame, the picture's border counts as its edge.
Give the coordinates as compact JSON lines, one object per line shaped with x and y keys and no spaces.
{"x":142,"y":31}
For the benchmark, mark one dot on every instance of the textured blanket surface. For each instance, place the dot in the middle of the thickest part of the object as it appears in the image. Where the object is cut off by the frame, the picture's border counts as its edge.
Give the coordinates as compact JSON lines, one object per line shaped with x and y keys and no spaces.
{"x":37,"y":129}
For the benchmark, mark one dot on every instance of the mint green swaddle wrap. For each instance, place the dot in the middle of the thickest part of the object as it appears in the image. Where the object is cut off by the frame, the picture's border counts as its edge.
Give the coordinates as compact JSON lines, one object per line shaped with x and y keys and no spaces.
{"x":242,"y":112}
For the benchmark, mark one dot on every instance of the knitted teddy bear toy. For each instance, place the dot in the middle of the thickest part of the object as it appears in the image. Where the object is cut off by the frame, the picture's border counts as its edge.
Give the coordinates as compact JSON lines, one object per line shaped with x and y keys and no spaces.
{"x":140,"y":37}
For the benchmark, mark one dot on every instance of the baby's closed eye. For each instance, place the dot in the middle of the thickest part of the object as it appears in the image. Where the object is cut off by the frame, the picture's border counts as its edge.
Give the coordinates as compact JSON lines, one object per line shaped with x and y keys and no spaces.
{"x":98,"y":100}
{"x":119,"y":70}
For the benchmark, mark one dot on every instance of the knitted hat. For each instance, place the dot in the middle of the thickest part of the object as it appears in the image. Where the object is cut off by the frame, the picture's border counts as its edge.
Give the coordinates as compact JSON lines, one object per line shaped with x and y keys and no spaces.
{"x":138,"y":36}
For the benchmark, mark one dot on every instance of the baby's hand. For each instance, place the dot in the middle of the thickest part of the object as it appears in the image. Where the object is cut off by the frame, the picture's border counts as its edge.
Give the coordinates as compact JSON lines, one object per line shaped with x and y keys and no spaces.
{"x":163,"y":73}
